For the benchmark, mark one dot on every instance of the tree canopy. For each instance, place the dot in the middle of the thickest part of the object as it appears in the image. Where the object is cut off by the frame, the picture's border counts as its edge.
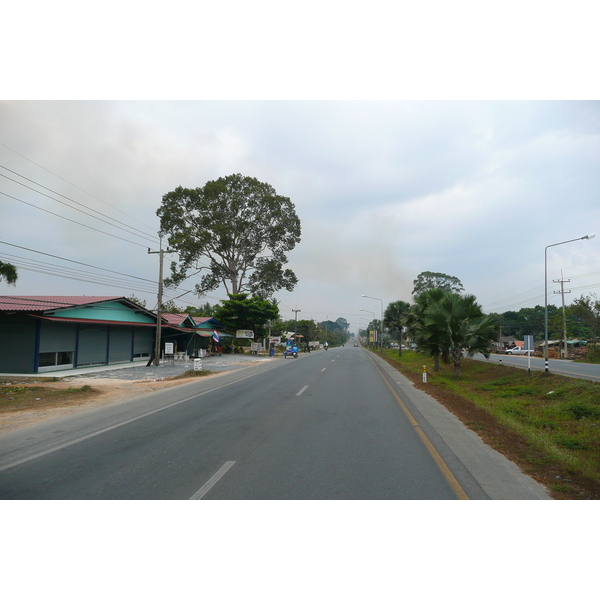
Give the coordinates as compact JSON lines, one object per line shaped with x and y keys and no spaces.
{"x":8,"y":272}
{"x":240,"y":227}
{"x":242,"y":312}
{"x":427,"y":280}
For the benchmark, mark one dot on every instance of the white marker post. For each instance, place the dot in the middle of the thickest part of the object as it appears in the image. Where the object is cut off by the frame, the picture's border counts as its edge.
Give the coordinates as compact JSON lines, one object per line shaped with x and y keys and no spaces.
{"x":424,"y":373}
{"x":529,"y":348}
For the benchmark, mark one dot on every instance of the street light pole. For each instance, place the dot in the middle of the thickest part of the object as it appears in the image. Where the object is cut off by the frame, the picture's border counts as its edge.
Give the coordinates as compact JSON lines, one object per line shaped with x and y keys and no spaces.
{"x":381,"y":322}
{"x":585,"y":237}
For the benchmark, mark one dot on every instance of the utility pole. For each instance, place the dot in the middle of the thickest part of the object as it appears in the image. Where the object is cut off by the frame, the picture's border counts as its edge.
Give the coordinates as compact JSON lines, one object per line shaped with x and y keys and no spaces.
{"x":562,"y":293}
{"x":296,"y":311}
{"x":161,"y":254}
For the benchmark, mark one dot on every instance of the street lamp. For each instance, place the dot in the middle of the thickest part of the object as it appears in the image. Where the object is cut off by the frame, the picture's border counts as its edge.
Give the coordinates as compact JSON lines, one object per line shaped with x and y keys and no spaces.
{"x":381,"y":322}
{"x":585,"y":237}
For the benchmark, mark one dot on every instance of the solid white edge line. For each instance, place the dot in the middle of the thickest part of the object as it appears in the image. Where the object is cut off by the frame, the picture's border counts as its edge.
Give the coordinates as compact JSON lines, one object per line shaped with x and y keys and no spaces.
{"x":211,"y":482}
{"x":302,"y":390}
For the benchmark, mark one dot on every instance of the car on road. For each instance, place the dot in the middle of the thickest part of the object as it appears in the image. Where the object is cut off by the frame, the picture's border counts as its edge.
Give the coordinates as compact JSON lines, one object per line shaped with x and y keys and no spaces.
{"x":516,"y":350}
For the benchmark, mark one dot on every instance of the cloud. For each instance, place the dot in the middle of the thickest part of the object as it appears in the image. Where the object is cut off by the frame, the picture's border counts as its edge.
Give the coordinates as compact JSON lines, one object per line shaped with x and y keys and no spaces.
{"x":384,"y":190}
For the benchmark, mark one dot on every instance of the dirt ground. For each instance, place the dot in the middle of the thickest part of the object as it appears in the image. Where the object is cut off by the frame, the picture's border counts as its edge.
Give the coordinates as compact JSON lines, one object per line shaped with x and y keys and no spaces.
{"x":103,"y":392}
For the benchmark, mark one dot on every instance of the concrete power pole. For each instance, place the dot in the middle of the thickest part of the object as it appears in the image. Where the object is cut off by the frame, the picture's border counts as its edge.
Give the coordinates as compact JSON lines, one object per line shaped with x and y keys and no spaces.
{"x":161,"y":254}
{"x":562,"y":293}
{"x":296,"y":311}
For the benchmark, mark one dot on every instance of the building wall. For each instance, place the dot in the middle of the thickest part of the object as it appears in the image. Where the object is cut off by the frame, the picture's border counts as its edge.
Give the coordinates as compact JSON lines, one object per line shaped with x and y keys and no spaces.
{"x":106,"y":311}
{"x":17,"y":344}
{"x":29,"y":345}
{"x":121,"y":344}
{"x":93,"y":345}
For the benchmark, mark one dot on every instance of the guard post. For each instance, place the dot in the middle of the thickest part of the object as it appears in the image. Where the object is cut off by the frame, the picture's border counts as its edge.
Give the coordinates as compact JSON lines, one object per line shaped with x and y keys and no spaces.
{"x":424,"y":373}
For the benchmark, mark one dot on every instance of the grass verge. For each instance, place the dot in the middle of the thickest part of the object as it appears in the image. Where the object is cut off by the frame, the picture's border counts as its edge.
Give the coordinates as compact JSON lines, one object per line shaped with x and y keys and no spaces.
{"x":547,"y":424}
{"x":14,"y":397}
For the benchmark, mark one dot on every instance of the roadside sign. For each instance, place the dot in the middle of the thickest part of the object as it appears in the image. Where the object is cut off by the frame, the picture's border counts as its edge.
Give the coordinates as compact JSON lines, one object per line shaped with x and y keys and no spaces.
{"x":245,"y":333}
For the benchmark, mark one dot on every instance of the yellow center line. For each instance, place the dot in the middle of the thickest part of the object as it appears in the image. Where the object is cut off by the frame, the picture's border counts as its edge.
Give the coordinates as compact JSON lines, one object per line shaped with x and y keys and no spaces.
{"x":439,"y":461}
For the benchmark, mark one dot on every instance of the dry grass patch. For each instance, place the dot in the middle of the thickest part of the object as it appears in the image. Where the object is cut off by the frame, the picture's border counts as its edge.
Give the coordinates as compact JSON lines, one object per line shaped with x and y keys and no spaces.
{"x":15,"y":397}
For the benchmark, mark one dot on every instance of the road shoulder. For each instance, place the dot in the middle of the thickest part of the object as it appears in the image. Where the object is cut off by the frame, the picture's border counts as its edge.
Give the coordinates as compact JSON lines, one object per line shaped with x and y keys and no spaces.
{"x":483,"y":472}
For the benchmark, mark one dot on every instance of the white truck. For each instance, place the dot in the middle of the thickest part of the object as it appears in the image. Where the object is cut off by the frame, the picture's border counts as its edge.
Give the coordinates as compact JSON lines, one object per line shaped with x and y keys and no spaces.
{"x":516,"y":350}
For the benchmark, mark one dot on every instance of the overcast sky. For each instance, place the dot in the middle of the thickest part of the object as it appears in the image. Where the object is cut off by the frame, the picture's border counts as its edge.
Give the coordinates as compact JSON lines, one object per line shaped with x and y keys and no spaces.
{"x":362,"y":120}
{"x":384,"y":191}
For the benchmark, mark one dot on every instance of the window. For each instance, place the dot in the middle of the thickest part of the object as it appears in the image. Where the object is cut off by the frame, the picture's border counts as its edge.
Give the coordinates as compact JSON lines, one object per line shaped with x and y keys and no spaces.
{"x":50,"y":361}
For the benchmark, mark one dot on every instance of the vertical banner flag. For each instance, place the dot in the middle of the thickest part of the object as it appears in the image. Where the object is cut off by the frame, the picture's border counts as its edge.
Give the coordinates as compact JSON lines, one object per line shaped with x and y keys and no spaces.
{"x":215,"y":336}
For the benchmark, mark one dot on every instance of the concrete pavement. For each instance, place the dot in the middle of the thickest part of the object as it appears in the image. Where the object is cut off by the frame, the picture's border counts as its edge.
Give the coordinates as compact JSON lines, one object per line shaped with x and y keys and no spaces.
{"x":140,"y":372}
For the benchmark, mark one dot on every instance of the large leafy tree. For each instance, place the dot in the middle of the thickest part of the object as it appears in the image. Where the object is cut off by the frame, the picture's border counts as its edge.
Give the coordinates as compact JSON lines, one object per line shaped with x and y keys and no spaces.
{"x":242,"y":312}
{"x":392,"y":319}
{"x":233,"y":231}
{"x":427,"y":280}
{"x":8,"y":272}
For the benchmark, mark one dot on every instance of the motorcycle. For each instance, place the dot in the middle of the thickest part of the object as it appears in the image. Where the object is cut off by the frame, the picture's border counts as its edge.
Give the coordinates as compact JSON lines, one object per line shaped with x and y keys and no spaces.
{"x":291,"y":352}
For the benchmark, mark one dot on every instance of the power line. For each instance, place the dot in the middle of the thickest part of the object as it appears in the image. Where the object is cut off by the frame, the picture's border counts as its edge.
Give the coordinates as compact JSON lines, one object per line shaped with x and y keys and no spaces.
{"x":78,"y":275}
{"x":74,"y":261}
{"x":72,"y":221}
{"x":143,"y":235}
{"x":76,"y":187}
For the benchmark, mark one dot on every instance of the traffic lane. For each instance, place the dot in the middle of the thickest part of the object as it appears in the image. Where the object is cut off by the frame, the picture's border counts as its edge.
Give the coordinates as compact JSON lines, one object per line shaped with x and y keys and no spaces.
{"x":166,"y":454}
{"x":343,"y":437}
{"x":559,"y":367}
{"x":44,"y":437}
{"x":170,"y":454}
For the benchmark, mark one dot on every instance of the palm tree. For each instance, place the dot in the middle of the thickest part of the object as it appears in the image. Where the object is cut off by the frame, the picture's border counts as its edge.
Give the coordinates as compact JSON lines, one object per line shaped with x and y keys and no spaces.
{"x":458,"y":323}
{"x":392,"y":319}
{"x":429,"y":340}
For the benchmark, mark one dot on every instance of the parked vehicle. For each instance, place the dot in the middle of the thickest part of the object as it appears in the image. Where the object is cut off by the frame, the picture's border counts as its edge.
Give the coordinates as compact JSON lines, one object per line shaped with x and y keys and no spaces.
{"x":516,"y":350}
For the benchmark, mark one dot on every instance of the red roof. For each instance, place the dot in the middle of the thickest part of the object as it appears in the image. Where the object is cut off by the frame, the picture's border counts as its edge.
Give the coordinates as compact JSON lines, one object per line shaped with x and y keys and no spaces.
{"x":174,"y":318}
{"x":42,"y":303}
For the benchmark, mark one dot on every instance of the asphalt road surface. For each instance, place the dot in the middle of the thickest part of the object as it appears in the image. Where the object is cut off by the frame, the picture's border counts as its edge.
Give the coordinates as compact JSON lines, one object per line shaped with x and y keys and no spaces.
{"x":558,"y":367}
{"x":334,"y":424}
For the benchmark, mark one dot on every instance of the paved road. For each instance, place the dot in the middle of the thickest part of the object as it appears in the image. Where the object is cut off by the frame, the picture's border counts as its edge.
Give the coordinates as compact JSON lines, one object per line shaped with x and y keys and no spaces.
{"x":328,"y":425}
{"x":559,"y":367}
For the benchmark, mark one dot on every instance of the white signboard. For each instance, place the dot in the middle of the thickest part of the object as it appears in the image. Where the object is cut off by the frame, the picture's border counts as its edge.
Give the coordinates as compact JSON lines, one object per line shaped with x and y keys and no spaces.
{"x":256,"y":347}
{"x":169,"y":347}
{"x":245,"y":333}
{"x":275,"y":340}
